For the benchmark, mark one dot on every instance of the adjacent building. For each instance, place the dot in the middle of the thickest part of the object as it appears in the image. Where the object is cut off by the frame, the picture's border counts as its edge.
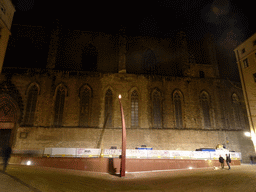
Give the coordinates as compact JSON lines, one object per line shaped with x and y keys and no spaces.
{"x":246,"y":61}
{"x":6,"y":15}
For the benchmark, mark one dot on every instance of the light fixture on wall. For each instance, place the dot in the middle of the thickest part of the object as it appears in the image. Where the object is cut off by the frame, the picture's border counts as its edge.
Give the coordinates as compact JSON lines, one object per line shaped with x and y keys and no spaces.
{"x":247,"y":134}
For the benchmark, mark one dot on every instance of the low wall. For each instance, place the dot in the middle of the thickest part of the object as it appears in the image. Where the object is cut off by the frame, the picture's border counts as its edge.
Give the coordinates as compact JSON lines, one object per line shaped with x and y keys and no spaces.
{"x":112,"y":165}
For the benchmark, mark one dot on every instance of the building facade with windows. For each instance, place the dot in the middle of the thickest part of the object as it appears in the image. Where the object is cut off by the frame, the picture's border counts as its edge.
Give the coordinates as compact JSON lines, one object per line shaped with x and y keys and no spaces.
{"x":171,"y":99}
{"x":246,"y":61}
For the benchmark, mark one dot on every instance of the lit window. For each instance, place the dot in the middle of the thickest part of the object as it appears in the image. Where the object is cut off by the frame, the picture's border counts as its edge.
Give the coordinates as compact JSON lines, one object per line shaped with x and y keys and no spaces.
{"x":246,"y":63}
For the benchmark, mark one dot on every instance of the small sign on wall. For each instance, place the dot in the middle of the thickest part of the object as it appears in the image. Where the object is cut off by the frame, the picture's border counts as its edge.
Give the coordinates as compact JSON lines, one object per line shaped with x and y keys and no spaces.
{"x":23,"y":135}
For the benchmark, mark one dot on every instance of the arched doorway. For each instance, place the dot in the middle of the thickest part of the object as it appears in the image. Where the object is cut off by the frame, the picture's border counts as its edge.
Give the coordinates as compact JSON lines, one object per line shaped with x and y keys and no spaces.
{"x":8,"y":118}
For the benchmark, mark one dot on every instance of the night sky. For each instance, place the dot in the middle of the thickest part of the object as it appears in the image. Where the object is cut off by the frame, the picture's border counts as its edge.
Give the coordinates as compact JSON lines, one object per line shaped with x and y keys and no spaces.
{"x":228,"y":21}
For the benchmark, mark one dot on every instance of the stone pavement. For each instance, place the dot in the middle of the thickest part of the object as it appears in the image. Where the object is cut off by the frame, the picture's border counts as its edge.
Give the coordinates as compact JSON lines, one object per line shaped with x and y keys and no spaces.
{"x":207,"y":179}
{"x":9,"y":183}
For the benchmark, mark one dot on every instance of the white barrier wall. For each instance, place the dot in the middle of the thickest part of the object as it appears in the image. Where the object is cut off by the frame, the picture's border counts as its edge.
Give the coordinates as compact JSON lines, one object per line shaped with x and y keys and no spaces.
{"x":143,"y":154}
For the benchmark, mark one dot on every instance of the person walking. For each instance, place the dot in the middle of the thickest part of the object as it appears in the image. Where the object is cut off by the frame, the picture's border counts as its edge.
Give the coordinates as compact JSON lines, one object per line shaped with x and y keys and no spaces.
{"x":6,"y":156}
{"x":228,"y":160}
{"x":251,"y":160}
{"x":221,"y":160}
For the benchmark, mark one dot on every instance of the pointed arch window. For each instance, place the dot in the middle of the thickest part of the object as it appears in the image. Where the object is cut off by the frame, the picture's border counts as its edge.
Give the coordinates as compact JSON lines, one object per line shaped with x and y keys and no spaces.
{"x":85,"y":109}
{"x":89,"y":58}
{"x":157,"y":114}
{"x":149,"y":62}
{"x":134,"y":109}
{"x":201,"y":74}
{"x":205,"y":110}
{"x":59,"y":106}
{"x":108,"y":108}
{"x":31,"y":106}
{"x":236,"y":110}
{"x":177,"y":110}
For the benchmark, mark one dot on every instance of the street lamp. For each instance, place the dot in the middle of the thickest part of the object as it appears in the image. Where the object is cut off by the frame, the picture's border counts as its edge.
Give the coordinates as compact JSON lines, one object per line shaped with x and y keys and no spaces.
{"x":252,"y":136}
{"x":247,"y":134}
{"x":122,"y":169}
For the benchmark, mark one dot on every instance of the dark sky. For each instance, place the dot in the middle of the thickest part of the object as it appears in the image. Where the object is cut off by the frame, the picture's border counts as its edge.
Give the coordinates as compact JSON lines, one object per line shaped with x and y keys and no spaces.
{"x":157,"y":18}
{"x":227,"y":20}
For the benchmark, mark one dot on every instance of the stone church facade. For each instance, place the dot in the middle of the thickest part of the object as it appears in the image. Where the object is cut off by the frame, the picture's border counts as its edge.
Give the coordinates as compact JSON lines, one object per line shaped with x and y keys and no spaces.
{"x":173,"y":99}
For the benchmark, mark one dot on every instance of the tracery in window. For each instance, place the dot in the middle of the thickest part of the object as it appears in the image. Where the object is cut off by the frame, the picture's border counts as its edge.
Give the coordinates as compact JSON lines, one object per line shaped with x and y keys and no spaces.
{"x":31,"y":106}
{"x":108,"y":108}
{"x":59,"y":106}
{"x":134,"y":109}
{"x":85,"y":108}
{"x":236,"y":110}
{"x":205,"y":109}
{"x":89,"y":58}
{"x":150,"y":62}
{"x":201,"y":74}
{"x":177,"y":110}
{"x":157,"y":113}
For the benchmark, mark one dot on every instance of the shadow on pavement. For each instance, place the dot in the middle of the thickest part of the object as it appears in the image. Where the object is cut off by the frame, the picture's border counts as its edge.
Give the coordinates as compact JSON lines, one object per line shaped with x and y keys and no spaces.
{"x":20,"y":181}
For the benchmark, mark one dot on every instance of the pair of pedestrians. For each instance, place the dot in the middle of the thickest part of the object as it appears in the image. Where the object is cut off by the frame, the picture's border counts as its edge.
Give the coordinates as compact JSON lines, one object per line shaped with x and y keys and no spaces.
{"x":228,"y":161}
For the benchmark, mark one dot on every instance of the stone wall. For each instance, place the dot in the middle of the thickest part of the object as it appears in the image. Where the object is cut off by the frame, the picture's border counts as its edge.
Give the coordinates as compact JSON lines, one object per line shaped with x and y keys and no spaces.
{"x":159,"y":139}
{"x":219,"y":91}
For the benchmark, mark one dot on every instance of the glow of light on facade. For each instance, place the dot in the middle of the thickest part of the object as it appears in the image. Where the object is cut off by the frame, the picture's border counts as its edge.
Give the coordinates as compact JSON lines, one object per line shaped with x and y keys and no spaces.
{"x":253,"y":138}
{"x":247,"y":134}
{"x":29,"y":163}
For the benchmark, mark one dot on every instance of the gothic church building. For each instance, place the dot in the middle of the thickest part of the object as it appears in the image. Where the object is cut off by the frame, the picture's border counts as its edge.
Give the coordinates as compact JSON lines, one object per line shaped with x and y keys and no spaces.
{"x":172,"y":93}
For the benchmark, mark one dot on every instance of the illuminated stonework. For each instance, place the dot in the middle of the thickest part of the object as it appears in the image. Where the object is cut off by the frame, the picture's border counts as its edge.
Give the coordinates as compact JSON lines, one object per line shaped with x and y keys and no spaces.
{"x":167,"y":103}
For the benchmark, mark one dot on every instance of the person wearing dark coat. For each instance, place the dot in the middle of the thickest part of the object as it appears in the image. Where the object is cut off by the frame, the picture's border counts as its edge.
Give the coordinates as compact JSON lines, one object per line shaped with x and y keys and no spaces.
{"x":221,"y":160}
{"x":251,"y":160}
{"x":6,"y":156}
{"x":228,"y":160}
